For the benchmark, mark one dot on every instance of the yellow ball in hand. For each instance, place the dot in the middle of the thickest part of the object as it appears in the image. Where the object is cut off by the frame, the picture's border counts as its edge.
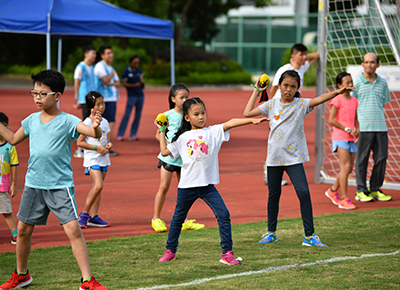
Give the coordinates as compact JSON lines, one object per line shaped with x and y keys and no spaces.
{"x":162,"y":119}
{"x":264,"y":81}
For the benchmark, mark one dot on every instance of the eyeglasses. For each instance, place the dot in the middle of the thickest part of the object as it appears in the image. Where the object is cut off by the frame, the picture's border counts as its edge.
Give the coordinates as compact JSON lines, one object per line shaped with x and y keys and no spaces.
{"x":40,"y":95}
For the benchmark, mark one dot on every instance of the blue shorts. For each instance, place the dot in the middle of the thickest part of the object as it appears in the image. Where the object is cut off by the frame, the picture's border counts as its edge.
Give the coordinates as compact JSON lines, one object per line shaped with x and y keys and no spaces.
{"x":347,"y":145}
{"x":109,"y":112}
{"x":96,"y":167}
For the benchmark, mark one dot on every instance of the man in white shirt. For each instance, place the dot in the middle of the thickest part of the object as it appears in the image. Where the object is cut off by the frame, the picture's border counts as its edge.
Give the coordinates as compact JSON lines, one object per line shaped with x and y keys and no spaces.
{"x":84,"y":83}
{"x":300,"y":61}
{"x":106,"y":83}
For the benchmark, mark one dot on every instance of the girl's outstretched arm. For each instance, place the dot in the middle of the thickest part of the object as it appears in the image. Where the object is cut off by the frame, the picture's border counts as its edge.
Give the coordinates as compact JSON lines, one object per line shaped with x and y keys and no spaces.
{"x":163,"y":142}
{"x":241,"y":122}
{"x":327,"y":96}
{"x":250,"y":111}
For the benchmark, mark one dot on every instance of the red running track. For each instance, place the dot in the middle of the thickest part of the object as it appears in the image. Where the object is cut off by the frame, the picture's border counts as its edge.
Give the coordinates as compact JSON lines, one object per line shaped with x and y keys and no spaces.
{"x":133,"y":178}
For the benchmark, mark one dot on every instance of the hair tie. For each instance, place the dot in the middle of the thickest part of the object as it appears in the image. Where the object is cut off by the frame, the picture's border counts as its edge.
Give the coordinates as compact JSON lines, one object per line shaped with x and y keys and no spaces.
{"x":93,"y":97}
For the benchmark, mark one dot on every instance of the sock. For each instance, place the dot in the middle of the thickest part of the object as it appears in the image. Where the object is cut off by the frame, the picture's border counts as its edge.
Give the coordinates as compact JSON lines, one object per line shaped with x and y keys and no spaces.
{"x":19,"y":273}
{"x":14,"y":233}
{"x":87,"y":279}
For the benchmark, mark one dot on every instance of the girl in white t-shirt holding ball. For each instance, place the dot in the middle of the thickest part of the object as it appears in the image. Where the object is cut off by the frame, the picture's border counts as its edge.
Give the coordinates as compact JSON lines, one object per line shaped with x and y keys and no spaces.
{"x":96,"y":161}
{"x":198,"y":146}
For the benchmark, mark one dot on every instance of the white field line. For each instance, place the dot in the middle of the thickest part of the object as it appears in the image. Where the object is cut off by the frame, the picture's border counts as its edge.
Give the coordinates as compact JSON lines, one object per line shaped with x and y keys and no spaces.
{"x":266,"y":270}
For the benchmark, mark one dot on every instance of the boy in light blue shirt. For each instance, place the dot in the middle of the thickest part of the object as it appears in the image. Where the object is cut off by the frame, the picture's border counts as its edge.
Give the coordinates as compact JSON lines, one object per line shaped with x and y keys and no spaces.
{"x":49,"y":185}
{"x":372,"y":93}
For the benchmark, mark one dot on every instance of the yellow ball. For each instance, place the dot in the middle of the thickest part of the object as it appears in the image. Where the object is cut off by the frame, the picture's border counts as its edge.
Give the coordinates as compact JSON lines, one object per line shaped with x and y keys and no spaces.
{"x":264,"y":81}
{"x":162,"y":119}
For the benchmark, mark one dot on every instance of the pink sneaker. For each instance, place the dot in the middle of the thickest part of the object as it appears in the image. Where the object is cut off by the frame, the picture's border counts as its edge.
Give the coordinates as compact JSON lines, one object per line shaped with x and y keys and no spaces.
{"x":346,"y":203}
{"x":333,"y":196}
{"x":229,"y":258}
{"x":134,"y":138}
{"x":168,"y":256}
{"x":120,"y":138}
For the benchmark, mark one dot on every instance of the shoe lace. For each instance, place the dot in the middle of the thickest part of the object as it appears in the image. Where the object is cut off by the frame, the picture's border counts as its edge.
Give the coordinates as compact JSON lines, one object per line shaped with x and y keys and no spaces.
{"x":267,"y":234}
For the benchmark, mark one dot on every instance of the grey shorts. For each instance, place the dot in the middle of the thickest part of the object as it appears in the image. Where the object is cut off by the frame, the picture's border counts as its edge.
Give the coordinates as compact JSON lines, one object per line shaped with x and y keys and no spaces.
{"x":36,"y":204}
{"x":5,"y":202}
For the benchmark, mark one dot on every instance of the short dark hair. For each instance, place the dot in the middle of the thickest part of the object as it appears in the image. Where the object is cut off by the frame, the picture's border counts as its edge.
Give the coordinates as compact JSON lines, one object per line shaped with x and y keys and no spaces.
{"x":103,"y":48}
{"x":340,"y":76}
{"x":87,"y":48}
{"x":298,"y":47}
{"x":51,"y":78}
{"x":3,"y":118}
{"x":133,"y":57}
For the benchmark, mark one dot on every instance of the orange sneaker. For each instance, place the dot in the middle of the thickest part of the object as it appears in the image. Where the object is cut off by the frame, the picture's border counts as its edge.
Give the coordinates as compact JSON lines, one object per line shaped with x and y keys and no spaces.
{"x":92,"y":284}
{"x":333,"y":196}
{"x":346,"y":203}
{"x":17,"y":281}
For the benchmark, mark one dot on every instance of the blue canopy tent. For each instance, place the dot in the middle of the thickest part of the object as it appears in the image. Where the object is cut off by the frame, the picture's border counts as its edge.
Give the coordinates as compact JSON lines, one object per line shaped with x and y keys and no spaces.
{"x":96,"y":18}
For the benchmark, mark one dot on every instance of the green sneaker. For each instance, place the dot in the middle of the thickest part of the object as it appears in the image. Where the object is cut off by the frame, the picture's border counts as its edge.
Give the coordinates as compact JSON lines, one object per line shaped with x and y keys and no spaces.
{"x":379,"y":195}
{"x":361,"y":196}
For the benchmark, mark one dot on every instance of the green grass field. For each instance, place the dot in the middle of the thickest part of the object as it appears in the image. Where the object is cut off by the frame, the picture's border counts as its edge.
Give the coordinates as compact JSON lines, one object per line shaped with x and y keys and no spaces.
{"x":131,"y":263}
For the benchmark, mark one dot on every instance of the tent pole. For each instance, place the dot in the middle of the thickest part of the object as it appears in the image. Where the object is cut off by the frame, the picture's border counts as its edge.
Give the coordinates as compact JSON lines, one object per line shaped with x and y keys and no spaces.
{"x":48,"y":50}
{"x":172,"y":62}
{"x":59,"y":54}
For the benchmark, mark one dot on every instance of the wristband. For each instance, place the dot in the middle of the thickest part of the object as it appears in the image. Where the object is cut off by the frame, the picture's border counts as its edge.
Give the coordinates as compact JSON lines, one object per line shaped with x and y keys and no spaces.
{"x":259,"y":91}
{"x":162,"y":129}
{"x":95,"y":146}
{"x":347,"y":129}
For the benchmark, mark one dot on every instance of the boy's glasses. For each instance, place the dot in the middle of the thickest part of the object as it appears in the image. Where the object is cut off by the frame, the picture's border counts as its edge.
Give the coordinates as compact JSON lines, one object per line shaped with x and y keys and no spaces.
{"x":40,"y":95}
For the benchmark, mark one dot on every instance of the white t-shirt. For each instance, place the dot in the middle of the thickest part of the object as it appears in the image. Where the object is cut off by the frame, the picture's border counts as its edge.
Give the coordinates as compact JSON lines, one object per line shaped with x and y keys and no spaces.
{"x":199,"y":151}
{"x":100,"y":71}
{"x":301,"y":71}
{"x":92,"y":157}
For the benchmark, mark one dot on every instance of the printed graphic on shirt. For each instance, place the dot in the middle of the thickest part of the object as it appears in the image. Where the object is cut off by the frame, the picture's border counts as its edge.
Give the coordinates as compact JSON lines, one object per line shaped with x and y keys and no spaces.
{"x":4,"y":172}
{"x":197,"y":149}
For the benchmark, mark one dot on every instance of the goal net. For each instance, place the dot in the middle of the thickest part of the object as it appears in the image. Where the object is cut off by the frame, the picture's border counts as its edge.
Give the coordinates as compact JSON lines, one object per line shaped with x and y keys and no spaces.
{"x":350,"y":29}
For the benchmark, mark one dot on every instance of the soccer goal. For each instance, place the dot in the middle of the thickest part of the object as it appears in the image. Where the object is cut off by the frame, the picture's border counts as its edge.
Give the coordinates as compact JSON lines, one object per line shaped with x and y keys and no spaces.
{"x":346,"y":31}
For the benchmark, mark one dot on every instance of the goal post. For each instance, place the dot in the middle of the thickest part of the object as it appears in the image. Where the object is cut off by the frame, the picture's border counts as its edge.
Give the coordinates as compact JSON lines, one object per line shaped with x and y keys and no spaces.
{"x":347,"y":30}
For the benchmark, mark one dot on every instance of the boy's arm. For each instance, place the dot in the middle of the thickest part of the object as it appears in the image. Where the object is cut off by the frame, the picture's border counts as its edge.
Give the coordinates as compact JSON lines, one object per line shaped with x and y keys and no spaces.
{"x":233,"y":123}
{"x":327,"y":96}
{"x":312,"y":57}
{"x":13,"y":177}
{"x":94,"y":132}
{"x":11,"y":137}
{"x":77,"y":83}
{"x":272,"y":91}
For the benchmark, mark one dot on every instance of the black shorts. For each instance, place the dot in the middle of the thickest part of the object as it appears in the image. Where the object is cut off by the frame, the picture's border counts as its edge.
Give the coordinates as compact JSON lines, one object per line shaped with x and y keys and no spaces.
{"x":169,"y":167}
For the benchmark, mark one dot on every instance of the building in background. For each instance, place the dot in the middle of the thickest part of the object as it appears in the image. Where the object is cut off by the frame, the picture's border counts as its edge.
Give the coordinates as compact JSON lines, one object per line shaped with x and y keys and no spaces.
{"x":258,"y":37}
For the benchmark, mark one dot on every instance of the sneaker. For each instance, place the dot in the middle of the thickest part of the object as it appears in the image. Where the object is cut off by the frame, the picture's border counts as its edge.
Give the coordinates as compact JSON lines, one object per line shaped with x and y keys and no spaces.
{"x":313,"y":241}
{"x":79,"y":153}
{"x":159,"y":225}
{"x":284,"y":182}
{"x":83,"y":220}
{"x":379,"y":195}
{"x":96,"y":221}
{"x":333,"y":196}
{"x":113,"y":153}
{"x":13,"y":240}
{"x":191,"y":225}
{"x":346,"y":203}
{"x":17,"y":281}
{"x":268,"y":238}
{"x":168,"y":256}
{"x":229,"y":258}
{"x":120,"y":138}
{"x":92,"y":284}
{"x":361,"y":196}
{"x":134,"y":138}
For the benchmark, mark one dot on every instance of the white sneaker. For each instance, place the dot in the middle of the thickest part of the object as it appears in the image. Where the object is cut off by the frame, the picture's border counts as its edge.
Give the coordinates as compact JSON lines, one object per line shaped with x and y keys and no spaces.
{"x":78,"y":153}
{"x":284,"y":182}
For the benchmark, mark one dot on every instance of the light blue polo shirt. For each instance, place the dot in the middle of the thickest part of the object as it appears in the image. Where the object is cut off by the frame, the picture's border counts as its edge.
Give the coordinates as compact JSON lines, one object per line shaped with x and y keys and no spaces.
{"x":371,"y":99}
{"x":49,"y":165}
